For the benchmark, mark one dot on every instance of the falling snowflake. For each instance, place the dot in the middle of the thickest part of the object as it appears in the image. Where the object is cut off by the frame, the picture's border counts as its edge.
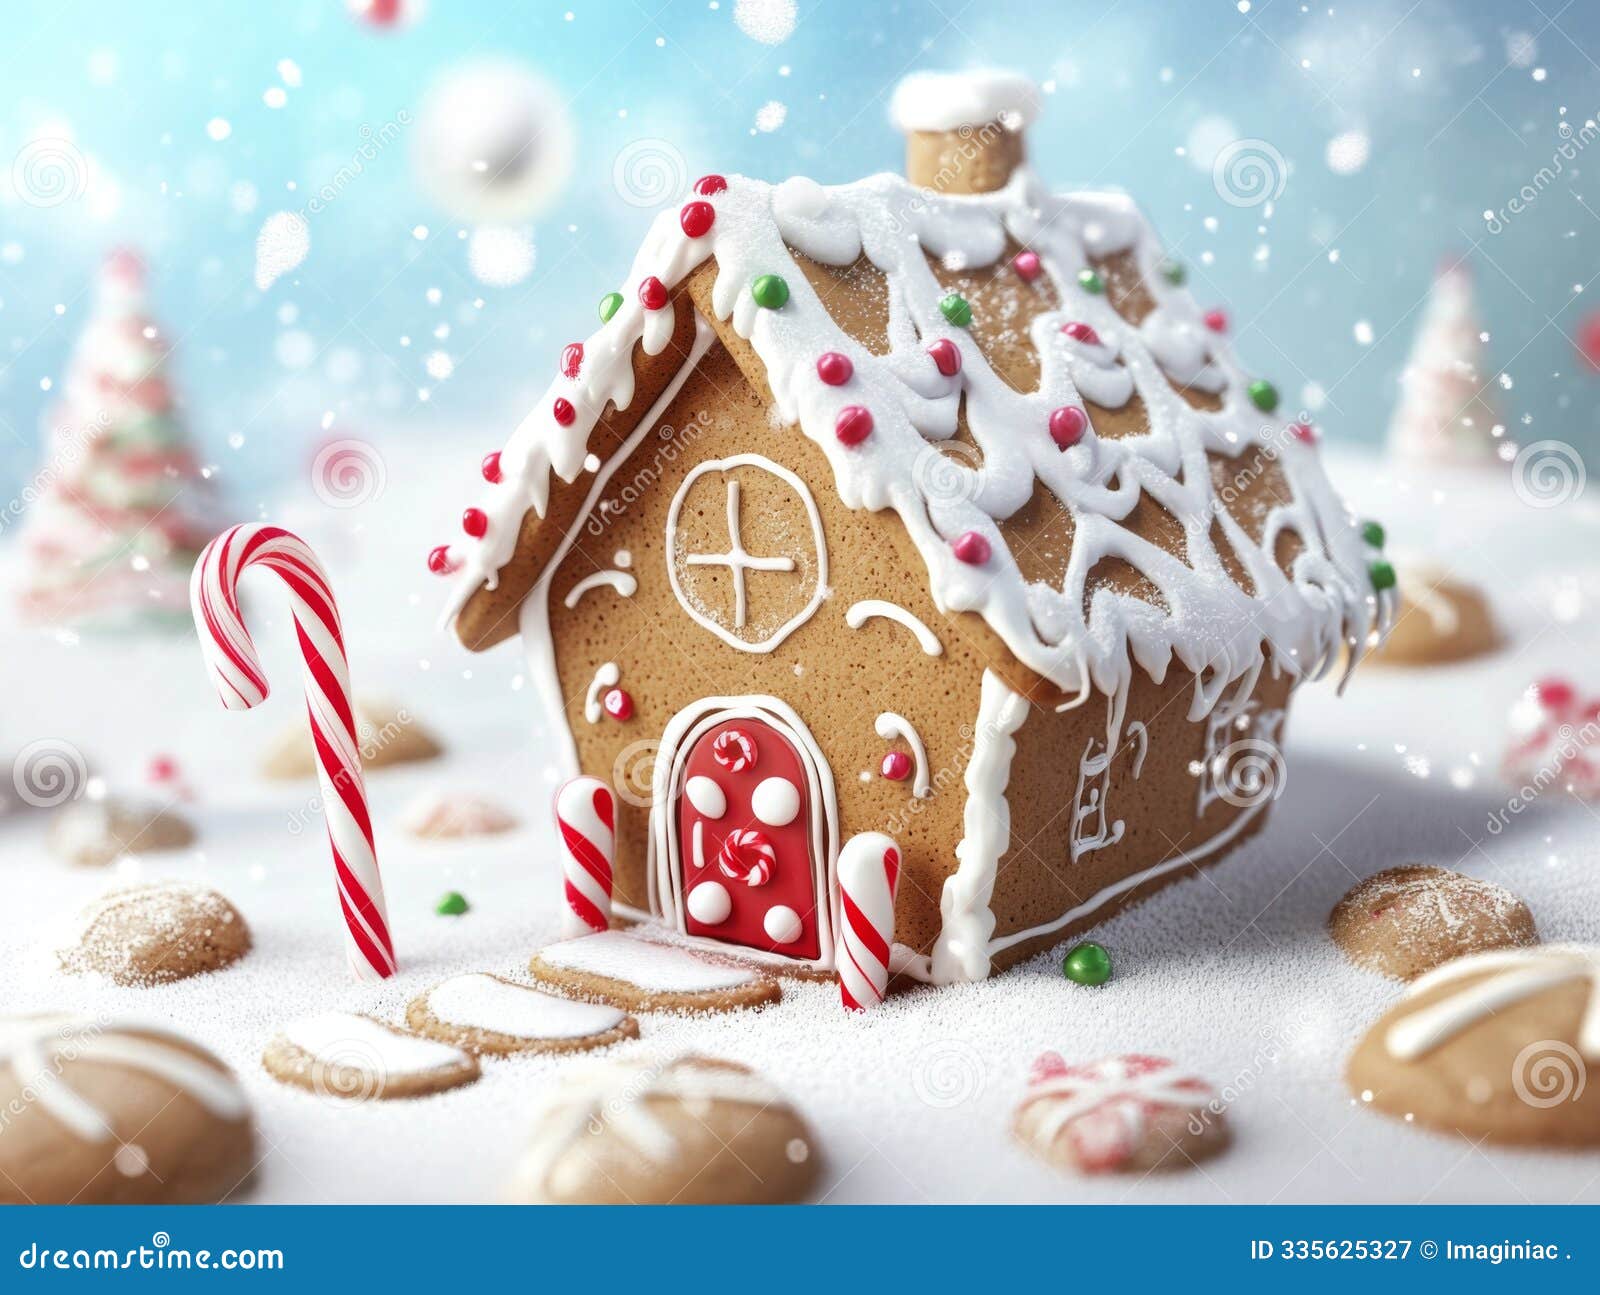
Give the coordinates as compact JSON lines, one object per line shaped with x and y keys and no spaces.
{"x":769,"y":21}
{"x":499,"y":256}
{"x":1521,"y":49}
{"x":770,"y":116}
{"x":282,"y":244}
{"x":1347,"y":153}
{"x":439,"y":365}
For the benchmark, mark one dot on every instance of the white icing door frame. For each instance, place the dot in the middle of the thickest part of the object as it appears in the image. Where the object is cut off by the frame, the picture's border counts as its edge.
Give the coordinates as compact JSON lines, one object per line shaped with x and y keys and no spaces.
{"x":664,"y":865}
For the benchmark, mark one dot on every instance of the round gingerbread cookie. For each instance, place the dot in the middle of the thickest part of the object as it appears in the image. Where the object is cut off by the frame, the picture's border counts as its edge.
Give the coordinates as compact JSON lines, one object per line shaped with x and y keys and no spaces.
{"x":93,"y":832}
{"x":1498,"y":1045}
{"x":640,"y":975}
{"x":388,"y":735}
{"x":154,"y":933}
{"x":359,"y":1058}
{"x":1440,"y":619}
{"x":1407,"y":920}
{"x":692,"y":1131}
{"x":1126,"y":1114}
{"x":117,"y":1113}
{"x":486,"y":1014}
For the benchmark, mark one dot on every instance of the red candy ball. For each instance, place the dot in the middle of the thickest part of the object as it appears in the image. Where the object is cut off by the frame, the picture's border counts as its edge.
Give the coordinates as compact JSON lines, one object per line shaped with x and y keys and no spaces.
{"x":572,"y":360}
{"x":163,"y":768}
{"x":564,"y":413}
{"x":1554,"y":694}
{"x":475,"y":522}
{"x":834,"y":369}
{"x":1081,"y":333}
{"x":697,"y":218}
{"x":853,"y":425}
{"x":971,"y":548}
{"x":896,"y":766}
{"x":652,"y":293}
{"x":491,"y":468}
{"x":1026,"y":264}
{"x":707,"y":185}
{"x":617,"y":704}
{"x":1217,"y":320}
{"x":1305,"y":433}
{"x":439,"y":561}
{"x":1067,"y":426}
{"x":947,"y":356}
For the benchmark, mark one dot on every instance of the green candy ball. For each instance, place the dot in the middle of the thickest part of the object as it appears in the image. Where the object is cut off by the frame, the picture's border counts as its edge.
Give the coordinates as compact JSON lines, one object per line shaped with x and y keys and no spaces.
{"x":770,"y":292}
{"x":452,"y":905}
{"x":1090,"y":281}
{"x":1373,"y":534}
{"x":1087,"y":964}
{"x":609,"y":305}
{"x":1174,"y":273}
{"x":1263,"y":395}
{"x":1382,"y":574}
{"x":955,"y":309}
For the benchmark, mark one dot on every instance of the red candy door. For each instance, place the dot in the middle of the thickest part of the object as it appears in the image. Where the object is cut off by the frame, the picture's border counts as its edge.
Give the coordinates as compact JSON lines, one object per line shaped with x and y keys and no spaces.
{"x":744,"y":840}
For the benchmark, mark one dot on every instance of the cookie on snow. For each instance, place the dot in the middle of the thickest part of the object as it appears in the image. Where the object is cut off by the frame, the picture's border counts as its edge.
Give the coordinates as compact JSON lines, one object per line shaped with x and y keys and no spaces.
{"x":1127,"y":1114}
{"x":155,"y":933}
{"x":112,"y":1113}
{"x":488,"y":1015}
{"x":447,"y":816}
{"x":388,"y":735}
{"x":347,"y":1055}
{"x":1405,"y":921}
{"x":693,"y":1131}
{"x":642,"y":976}
{"x":95,"y":831}
{"x":1440,"y":619}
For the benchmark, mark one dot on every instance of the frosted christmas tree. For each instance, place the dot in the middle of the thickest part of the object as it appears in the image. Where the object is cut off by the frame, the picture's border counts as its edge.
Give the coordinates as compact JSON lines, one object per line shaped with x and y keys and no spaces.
{"x":118,"y":511}
{"x":1443,"y":415}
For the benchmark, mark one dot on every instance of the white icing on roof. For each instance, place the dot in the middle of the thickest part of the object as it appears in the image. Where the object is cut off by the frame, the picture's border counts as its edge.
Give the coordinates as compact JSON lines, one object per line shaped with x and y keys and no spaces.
{"x":948,"y":100}
{"x":1213,"y":627}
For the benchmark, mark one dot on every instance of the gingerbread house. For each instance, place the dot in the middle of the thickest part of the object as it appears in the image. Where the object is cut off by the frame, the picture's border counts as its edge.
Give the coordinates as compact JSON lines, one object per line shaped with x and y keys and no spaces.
{"x":929,"y":506}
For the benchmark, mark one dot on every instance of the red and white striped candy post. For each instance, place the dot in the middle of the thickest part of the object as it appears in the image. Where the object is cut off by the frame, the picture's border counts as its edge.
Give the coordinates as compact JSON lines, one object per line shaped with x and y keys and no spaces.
{"x":869,"y":875}
{"x":235,"y":668}
{"x":586,"y":813}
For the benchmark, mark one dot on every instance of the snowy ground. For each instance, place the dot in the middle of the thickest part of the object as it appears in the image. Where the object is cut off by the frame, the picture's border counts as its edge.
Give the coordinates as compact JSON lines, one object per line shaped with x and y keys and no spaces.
{"x":1231,"y":974}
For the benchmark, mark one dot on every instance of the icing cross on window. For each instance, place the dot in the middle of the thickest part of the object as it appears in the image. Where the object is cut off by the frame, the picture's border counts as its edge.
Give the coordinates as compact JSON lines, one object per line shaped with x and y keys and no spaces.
{"x":736,"y":559}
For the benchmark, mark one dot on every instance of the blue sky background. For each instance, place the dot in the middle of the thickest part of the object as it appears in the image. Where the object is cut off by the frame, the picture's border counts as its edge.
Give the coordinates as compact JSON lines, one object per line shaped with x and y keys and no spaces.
{"x":1324,"y":285}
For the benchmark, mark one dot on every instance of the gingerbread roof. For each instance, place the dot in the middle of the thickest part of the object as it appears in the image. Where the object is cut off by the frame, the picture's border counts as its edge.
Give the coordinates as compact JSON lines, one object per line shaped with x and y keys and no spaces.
{"x":1020,"y":377}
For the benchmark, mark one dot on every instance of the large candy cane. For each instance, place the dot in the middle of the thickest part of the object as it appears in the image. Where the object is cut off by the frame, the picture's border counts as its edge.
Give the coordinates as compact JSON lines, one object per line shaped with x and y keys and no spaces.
{"x":586,"y":815}
{"x":236,"y":670}
{"x":869,"y":875}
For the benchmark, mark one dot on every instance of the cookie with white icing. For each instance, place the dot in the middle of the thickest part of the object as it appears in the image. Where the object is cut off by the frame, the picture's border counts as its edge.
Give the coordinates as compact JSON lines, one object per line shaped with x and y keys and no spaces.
{"x":449,"y":816}
{"x":155,"y":933}
{"x":388,"y":735}
{"x":1500,"y":1045}
{"x":640,"y":975}
{"x":117,"y":1113}
{"x":486,"y":1014}
{"x":95,"y":831}
{"x":643,"y":1131}
{"x":1126,"y":1114}
{"x":1440,"y":619}
{"x":1405,"y":921}
{"x":359,"y":1058}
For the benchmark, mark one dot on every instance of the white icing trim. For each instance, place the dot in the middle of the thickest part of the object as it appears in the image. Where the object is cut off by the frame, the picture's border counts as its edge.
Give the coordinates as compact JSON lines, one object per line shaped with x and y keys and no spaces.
{"x":625,"y":585}
{"x":737,"y":560}
{"x":667,"y":968}
{"x":477,"y":1001}
{"x":939,"y":101}
{"x":665,"y":867}
{"x":605,"y":677}
{"x":889,"y":726}
{"x":859,"y":613}
{"x":348,"y":1039}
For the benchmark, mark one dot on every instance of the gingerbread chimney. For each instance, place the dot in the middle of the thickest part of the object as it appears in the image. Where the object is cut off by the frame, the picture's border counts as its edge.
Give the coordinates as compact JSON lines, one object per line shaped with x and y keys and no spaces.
{"x":963,"y":129}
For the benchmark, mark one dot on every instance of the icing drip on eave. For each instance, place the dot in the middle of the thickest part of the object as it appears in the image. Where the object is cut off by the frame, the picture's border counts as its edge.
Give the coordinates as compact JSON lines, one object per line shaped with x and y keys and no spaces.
{"x":1213,"y":628}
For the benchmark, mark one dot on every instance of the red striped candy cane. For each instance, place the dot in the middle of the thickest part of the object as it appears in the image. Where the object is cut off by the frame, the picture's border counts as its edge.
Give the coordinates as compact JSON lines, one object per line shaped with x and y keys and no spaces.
{"x":236,"y":670}
{"x":869,"y":874}
{"x":586,"y":814}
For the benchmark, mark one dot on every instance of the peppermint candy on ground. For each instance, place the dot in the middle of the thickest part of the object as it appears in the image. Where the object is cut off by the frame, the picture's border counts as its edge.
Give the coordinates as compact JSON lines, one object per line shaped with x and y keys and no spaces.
{"x":1119,"y":1114}
{"x":734,"y":750}
{"x":748,"y":856}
